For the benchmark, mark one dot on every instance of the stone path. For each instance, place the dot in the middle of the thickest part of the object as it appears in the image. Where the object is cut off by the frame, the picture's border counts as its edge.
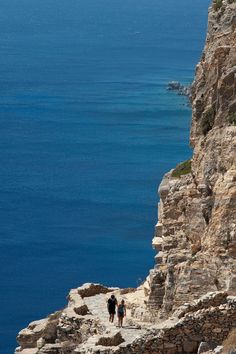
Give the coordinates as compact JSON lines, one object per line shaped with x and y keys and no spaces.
{"x":97,"y":306}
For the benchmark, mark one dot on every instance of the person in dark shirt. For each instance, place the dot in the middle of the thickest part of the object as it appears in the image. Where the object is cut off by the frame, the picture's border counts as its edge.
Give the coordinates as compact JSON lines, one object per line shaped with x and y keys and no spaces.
{"x":111,"y":306}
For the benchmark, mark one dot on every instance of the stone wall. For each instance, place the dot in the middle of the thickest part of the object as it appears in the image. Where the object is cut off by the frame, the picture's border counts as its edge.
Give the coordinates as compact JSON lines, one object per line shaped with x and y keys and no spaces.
{"x":211,"y":321}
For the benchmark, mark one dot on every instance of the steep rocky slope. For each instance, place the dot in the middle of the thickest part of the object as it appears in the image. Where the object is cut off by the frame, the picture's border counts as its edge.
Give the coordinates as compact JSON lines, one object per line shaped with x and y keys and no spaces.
{"x":190,"y":295}
{"x":83,"y":326}
{"x":196,"y":230}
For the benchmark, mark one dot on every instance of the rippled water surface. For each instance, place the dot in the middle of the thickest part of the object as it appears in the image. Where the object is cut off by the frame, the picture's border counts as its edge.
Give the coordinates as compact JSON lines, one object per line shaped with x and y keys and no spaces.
{"x":87,"y":129}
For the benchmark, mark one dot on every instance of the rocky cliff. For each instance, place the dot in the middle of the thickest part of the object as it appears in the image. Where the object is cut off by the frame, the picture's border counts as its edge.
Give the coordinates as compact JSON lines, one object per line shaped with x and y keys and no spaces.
{"x":190,"y":295}
{"x":196,"y":229}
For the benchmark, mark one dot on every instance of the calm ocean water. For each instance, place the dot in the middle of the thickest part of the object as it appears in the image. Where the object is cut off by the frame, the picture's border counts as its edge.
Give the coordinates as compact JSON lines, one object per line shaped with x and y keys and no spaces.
{"x":87,"y":129}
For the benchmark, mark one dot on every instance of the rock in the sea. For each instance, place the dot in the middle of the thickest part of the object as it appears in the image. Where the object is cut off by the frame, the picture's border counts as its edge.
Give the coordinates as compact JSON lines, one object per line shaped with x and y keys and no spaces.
{"x":180,"y":89}
{"x":174,"y":85}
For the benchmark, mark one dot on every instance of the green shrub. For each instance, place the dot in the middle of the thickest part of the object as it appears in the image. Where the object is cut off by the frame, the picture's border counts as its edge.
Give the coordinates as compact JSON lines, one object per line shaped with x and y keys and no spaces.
{"x":207,"y":120}
{"x":232,"y":118}
{"x":218,"y":4}
{"x":182,"y":168}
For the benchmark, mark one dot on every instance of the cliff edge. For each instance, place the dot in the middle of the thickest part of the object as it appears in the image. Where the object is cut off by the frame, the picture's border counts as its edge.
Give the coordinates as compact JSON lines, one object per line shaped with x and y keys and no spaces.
{"x":196,"y":229}
{"x":188,"y":302}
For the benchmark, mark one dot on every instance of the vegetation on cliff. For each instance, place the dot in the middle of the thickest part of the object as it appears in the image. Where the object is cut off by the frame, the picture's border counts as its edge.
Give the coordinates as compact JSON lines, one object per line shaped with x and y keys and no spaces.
{"x":207,"y":121}
{"x":217,"y":5}
{"x":232,"y":118}
{"x":182,"y":168}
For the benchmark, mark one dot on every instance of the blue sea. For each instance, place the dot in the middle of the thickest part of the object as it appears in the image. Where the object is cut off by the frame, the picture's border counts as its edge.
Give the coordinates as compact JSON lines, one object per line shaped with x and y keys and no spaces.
{"x":87,"y":130}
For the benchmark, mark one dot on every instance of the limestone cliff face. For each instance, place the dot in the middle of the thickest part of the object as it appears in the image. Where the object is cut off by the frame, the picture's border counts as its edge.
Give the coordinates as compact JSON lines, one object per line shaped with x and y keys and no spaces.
{"x":196,"y":230}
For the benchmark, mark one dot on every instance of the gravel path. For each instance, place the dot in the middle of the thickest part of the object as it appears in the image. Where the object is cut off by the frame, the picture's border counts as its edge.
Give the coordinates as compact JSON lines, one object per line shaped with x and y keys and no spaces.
{"x":97,"y":306}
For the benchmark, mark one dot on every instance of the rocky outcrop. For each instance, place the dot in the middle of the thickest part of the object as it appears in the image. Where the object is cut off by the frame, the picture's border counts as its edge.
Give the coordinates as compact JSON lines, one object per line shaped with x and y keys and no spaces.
{"x":179,"y":89}
{"x":208,"y":320}
{"x":83,"y":325}
{"x":63,"y":330}
{"x":188,"y":302}
{"x":196,"y":231}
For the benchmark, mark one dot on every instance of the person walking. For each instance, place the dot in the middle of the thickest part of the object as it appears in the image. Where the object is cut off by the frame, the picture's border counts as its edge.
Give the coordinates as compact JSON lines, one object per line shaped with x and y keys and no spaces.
{"x":121,"y":313}
{"x":111,"y":306}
